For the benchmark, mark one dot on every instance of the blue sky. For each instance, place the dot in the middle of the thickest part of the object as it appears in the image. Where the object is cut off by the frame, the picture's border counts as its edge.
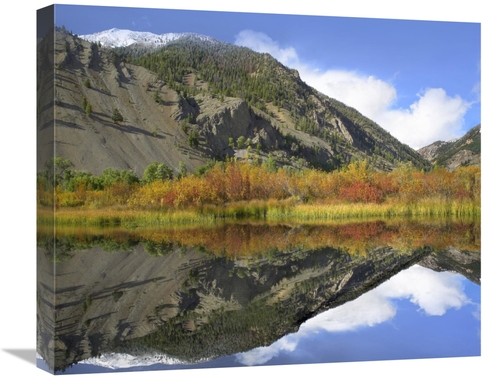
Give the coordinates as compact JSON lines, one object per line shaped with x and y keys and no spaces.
{"x":420,"y":80}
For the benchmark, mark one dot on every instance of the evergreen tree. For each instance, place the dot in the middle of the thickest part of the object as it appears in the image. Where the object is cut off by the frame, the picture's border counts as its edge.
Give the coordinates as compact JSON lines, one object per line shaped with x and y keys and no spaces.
{"x":88,"y":109}
{"x":157,"y":171}
{"x":240,"y":142}
{"x":117,"y":116}
{"x":194,"y":138}
{"x":84,"y":103}
{"x":182,"y":169}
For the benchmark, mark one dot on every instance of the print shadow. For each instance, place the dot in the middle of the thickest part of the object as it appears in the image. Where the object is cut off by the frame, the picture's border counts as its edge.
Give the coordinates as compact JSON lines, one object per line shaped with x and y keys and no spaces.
{"x":27,"y":355}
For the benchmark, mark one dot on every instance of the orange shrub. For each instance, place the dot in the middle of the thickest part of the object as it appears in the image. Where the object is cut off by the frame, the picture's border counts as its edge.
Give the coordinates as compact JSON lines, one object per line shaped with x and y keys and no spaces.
{"x":361,"y":192}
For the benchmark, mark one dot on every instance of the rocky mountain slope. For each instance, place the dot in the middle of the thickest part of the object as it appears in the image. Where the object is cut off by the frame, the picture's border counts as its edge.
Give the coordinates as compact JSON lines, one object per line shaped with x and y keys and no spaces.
{"x":464,"y":151}
{"x":191,"y":101}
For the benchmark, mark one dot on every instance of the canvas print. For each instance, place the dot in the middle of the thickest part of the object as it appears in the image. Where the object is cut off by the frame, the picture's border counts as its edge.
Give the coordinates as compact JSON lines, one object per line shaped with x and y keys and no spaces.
{"x":219,"y":189}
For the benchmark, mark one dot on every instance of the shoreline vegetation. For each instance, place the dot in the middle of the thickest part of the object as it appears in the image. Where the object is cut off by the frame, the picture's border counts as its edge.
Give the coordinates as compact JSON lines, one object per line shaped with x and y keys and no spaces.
{"x":234,"y":190}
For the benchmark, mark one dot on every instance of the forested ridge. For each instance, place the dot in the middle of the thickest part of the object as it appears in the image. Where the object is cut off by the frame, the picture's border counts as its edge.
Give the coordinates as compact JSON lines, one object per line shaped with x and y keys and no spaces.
{"x":225,"y":70}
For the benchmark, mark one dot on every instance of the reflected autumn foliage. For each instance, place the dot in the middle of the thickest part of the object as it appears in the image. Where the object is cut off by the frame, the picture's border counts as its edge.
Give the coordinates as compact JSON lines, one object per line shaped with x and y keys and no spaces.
{"x":238,"y":240}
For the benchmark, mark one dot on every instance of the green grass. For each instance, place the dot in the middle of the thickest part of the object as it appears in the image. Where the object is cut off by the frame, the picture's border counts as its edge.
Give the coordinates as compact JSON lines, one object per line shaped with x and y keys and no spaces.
{"x":282,"y":211}
{"x":121,"y":217}
{"x":429,"y":208}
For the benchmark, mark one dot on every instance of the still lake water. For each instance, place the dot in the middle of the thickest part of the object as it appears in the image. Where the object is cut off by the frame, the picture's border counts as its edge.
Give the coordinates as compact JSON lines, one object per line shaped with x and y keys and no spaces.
{"x":245,"y":294}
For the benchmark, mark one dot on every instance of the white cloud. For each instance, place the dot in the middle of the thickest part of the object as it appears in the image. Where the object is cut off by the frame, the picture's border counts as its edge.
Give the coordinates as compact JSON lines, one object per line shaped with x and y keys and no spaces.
{"x":433,"y":116}
{"x":433,"y":292}
{"x":366,"y":92}
{"x":262,"y":43}
{"x":262,"y":355}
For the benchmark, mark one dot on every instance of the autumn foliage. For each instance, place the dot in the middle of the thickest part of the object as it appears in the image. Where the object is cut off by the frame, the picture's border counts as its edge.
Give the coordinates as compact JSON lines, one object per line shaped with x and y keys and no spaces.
{"x":231,"y":184}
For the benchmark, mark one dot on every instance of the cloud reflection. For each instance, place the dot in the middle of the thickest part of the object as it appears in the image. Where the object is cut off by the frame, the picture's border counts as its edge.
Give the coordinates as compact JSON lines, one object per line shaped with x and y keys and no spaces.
{"x":261,"y":355}
{"x":433,"y":292}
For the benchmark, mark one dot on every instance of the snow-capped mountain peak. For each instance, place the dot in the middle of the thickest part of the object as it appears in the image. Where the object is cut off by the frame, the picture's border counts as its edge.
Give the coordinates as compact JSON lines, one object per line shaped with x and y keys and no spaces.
{"x":122,"y":37}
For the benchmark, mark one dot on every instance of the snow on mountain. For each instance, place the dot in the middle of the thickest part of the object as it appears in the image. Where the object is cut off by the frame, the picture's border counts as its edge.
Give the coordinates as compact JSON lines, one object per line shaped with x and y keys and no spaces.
{"x":120,"y":360}
{"x":122,"y":37}
{"x":116,"y":361}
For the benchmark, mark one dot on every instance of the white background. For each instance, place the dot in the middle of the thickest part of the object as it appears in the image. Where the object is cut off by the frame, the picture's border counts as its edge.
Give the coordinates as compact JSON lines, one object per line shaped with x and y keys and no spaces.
{"x":18,"y":157}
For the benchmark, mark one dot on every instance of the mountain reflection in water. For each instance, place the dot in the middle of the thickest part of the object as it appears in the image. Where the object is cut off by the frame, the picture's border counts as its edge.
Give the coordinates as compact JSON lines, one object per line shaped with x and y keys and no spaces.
{"x":251,"y":293}
{"x":431,"y":293}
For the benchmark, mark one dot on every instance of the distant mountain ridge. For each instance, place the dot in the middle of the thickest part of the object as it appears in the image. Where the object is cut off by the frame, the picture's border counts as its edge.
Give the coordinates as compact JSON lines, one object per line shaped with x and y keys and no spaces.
{"x":462,"y":151}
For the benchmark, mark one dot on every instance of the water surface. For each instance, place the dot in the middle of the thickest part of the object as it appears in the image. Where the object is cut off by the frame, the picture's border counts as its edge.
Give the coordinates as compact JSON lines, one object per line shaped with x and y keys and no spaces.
{"x":244,"y":294}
